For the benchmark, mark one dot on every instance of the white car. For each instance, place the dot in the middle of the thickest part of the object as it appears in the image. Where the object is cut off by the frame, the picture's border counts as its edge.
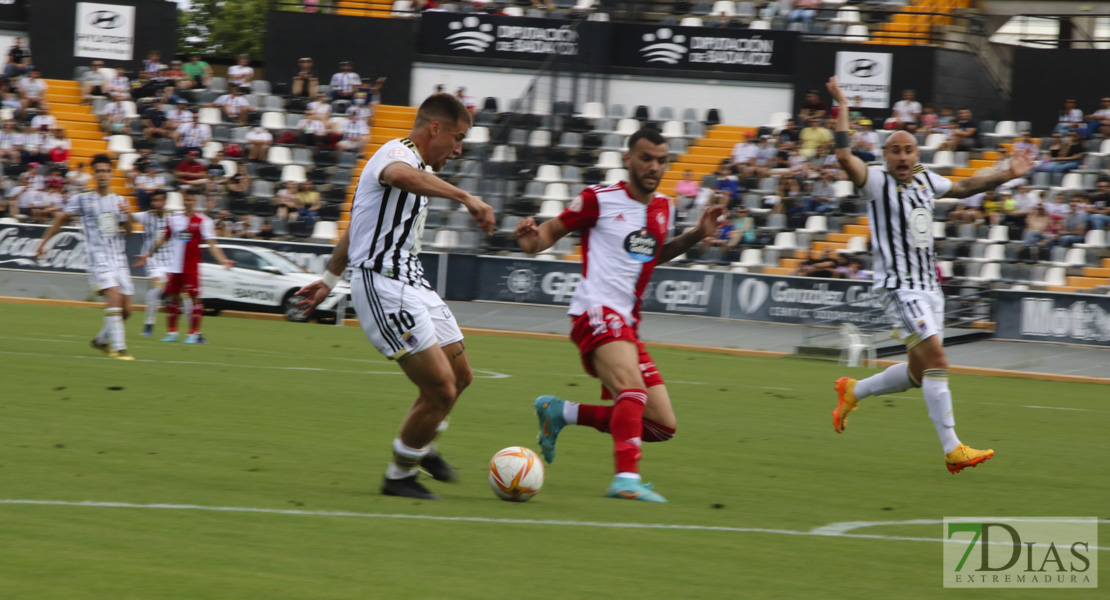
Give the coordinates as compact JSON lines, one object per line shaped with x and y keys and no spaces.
{"x":263,"y":280}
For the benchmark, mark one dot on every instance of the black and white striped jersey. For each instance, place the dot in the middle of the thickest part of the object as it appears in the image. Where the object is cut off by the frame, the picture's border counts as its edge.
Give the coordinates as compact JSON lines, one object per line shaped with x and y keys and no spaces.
{"x":154,"y":229}
{"x":387,"y":222}
{"x":101,"y":217}
{"x":901,"y":221}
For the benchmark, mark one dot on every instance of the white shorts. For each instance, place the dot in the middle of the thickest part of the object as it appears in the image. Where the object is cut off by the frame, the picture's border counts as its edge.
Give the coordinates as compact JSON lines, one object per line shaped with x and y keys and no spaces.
{"x":103,"y":276}
{"x":399,"y":318}
{"x":157,"y":272}
{"x":917,"y":315}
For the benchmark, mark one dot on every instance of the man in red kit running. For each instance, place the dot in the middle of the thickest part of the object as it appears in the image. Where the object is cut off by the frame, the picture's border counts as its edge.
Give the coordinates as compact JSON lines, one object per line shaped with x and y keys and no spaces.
{"x":623,"y":231}
{"x":184,"y":232}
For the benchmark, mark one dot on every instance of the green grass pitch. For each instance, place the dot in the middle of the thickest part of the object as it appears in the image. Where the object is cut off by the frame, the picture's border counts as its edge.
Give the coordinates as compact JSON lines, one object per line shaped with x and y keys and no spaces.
{"x":296,"y":421}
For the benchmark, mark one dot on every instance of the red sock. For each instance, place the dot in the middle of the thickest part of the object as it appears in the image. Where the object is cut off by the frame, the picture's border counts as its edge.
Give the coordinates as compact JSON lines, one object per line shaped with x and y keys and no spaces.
{"x":173,"y":309}
{"x":654,"y":432}
{"x":595,"y":416}
{"x":626,"y":426}
{"x":194,"y":318}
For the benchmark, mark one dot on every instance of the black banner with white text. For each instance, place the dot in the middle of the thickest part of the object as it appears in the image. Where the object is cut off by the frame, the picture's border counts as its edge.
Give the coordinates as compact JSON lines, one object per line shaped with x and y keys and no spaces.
{"x":1051,"y":317}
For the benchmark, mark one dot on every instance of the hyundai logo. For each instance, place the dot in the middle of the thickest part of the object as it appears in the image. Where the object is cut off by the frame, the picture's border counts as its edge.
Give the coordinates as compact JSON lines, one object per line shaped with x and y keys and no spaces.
{"x":105,"y":19}
{"x":864,"y":67}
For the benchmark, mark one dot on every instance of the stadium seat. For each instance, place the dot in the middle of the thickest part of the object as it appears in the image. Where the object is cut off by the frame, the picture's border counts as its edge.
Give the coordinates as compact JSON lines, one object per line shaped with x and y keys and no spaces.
{"x":760,"y":25}
{"x":1056,"y":276}
{"x":750,"y":257}
{"x":784,"y":240}
{"x":627,"y":126}
{"x":230,"y":167}
{"x":125,"y":161}
{"x":262,"y":189}
{"x":610,"y":160}
{"x":217,"y":85}
{"x":723,"y":8}
{"x":279,"y":155}
{"x":548,"y":174}
{"x":778,"y":120}
{"x":477,"y":135}
{"x":129,"y":110}
{"x":844,"y":189}
{"x":120,"y":144}
{"x":939,"y":232}
{"x":815,"y":224}
{"x":210,"y":116}
{"x":592,"y":111}
{"x":273,"y":120}
{"x":934,"y":141}
{"x":847,"y":15}
{"x":857,"y":33}
{"x":175,"y":201}
{"x":1095,"y":238}
{"x":293,"y":173}
{"x":539,"y":138}
{"x":211,"y":149}
{"x":674,"y":129}
{"x":614,"y":176}
{"x":556,"y":191}
{"x":550,"y":209}
{"x":943,"y":159}
{"x":513,"y":11}
{"x":857,"y":244}
{"x":325,"y":230}
{"x":690,"y":22}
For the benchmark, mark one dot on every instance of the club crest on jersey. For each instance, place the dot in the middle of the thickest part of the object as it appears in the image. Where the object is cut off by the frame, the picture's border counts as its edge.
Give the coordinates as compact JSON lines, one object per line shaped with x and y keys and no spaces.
{"x":576,"y":204}
{"x":641,"y":245}
{"x":396,"y":153}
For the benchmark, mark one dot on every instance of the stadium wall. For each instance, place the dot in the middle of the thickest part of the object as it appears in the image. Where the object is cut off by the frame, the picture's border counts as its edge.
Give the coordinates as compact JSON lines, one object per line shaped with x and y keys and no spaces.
{"x":53,"y":29}
{"x":739,"y":103}
{"x":378,"y":48}
{"x":1043,"y":79}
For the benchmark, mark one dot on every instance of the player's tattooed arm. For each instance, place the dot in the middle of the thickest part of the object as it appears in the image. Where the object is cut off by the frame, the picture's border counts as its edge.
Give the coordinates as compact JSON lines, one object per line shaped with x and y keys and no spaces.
{"x":707,"y":226}
{"x":1020,"y":164}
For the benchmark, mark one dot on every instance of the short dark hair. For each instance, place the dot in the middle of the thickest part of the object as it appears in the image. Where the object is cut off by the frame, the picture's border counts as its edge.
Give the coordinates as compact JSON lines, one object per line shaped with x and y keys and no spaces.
{"x":101,"y":159}
{"x":445,"y":108}
{"x":650,"y":134}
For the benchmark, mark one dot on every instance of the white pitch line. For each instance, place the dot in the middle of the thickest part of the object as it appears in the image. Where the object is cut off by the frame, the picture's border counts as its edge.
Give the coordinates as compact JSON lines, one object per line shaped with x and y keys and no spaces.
{"x":489,"y":374}
{"x":833,"y":530}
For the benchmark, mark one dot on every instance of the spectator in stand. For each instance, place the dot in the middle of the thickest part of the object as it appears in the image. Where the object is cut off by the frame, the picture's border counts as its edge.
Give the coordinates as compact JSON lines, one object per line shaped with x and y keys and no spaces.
{"x":685,"y":191}
{"x":223,"y":223}
{"x":789,"y":132}
{"x":965,"y":134}
{"x":191,"y":172}
{"x":345,"y":82}
{"x":744,"y":157}
{"x":907,"y":112}
{"x":235,"y":108}
{"x":198,"y":70}
{"x":192,"y":136}
{"x":803,"y":12}
{"x":854,"y":112}
{"x":1064,"y":155}
{"x":114,"y":115}
{"x":170,"y":97}
{"x":929,"y":119}
{"x":354,"y":134}
{"x":727,"y":183}
{"x":1070,"y":117}
{"x":813,"y":137}
{"x":822,"y":195}
{"x":1024,"y":145}
{"x":57,"y":147}
{"x":813,"y":107}
{"x":360,"y":109}
{"x":320,"y":107}
{"x":78,"y":180}
{"x":715,"y":248}
{"x":258,"y":143}
{"x":823,"y":265}
{"x":313,"y":132}
{"x":241,"y":73}
{"x":43,"y":121}
{"x":146,"y":157}
{"x":305,"y":82}
{"x":288,"y":202}
{"x":745,"y":225}
{"x":374,"y":98}
{"x":32,"y":90}
{"x":146,"y":184}
{"x":155,"y":121}
{"x":213,"y":199}
{"x":865,"y":141}
{"x":946,"y":122}
{"x":177,"y":76}
{"x":216,"y":172}
{"x":12,"y":72}
{"x":1019,"y":204}
{"x":1073,"y":227}
{"x":468,"y":101}
{"x":153,"y":62}
{"x":179,"y":116}
{"x":968,"y":211}
{"x":93,"y":82}
{"x":16,"y":53}
{"x":993,"y":207}
{"x":1098,"y":122}
{"x":310,"y":203}
{"x":246,"y":227}
{"x":238,"y":186}
{"x":1098,"y":216}
{"x":119,"y":84}
{"x":22,"y":198}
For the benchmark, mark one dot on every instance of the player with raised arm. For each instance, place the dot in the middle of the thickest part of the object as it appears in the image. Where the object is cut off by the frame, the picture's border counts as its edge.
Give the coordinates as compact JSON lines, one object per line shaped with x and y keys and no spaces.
{"x":154,"y":229}
{"x":106,"y":221}
{"x":900,"y":199}
{"x":184,"y":233}
{"x":400,"y":313}
{"x":624,"y":228}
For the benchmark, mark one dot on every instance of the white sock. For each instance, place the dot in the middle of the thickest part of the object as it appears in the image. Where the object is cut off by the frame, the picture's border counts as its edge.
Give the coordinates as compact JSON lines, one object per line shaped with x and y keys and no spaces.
{"x":570,"y":412}
{"x":113,"y":320}
{"x":102,"y":337}
{"x":632,"y":476}
{"x":405,"y":460}
{"x":186,"y":307}
{"x":939,"y":401}
{"x":892,"y":380}
{"x":153,"y":301}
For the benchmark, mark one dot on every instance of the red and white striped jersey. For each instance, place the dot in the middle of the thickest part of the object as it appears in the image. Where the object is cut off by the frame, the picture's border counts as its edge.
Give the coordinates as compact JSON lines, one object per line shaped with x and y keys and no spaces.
{"x":185,"y":234}
{"x":621,"y":242}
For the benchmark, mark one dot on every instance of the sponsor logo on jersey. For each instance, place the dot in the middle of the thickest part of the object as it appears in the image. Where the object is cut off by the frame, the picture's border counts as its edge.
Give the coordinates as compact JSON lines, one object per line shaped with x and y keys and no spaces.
{"x":185,"y":235}
{"x":620,"y":218}
{"x":641,"y":245}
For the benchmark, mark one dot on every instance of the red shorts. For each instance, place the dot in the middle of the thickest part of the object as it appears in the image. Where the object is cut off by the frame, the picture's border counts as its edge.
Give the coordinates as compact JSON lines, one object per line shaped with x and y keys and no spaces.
{"x":177,"y":283}
{"x":599,"y":326}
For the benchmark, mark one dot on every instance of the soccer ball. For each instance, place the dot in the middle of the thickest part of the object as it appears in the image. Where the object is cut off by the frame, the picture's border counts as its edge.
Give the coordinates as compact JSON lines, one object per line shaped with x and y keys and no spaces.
{"x":515,"y":474}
